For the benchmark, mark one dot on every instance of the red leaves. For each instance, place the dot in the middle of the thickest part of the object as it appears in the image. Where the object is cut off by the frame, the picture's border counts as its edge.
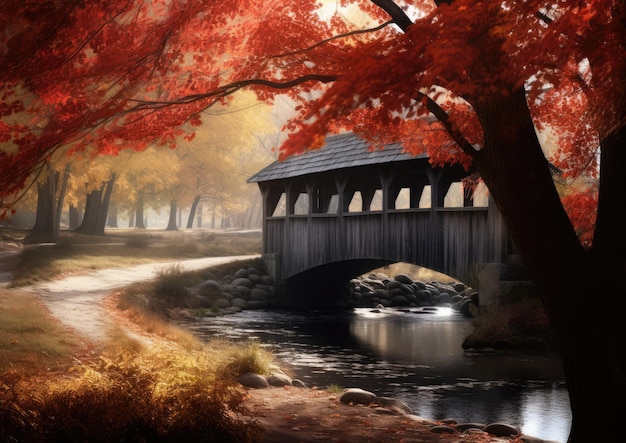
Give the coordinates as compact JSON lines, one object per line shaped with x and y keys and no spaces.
{"x":581,"y":207}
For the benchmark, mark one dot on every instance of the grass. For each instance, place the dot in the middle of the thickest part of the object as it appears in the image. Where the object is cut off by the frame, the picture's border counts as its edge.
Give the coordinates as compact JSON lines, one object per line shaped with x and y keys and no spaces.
{"x":176,"y":389}
{"x":53,"y":388}
{"x":76,"y":253}
{"x":29,"y":338}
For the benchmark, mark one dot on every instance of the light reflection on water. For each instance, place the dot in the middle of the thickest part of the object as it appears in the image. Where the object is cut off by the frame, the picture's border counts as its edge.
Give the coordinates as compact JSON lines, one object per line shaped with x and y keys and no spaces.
{"x":413,"y":356}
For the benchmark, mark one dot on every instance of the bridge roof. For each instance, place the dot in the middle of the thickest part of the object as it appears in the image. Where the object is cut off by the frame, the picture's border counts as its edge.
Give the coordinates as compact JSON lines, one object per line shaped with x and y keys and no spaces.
{"x":340,"y":151}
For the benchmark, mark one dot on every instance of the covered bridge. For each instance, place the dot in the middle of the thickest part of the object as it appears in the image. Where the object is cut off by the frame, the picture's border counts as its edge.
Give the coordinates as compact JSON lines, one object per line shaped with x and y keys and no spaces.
{"x":342,"y":210}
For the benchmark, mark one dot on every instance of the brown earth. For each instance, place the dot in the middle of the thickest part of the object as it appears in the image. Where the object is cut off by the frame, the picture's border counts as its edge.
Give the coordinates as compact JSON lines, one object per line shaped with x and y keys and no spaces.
{"x":293,"y":414}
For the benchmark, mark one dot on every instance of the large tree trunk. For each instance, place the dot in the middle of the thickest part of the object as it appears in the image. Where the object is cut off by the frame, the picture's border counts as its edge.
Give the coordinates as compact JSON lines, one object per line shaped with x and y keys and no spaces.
{"x":96,"y":209}
{"x":50,"y":204}
{"x":591,"y":344}
{"x":93,"y":204}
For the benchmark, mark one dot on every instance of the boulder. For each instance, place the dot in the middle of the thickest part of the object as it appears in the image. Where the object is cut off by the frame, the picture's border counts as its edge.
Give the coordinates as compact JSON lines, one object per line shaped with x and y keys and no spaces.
{"x":443,"y":429}
{"x":458,"y":286}
{"x":501,"y":429}
{"x":394,"y":405}
{"x":258,"y":295}
{"x":241,"y":273}
{"x":393,"y":284}
{"x":400,"y":300}
{"x":242,"y":281}
{"x":357,"y":396}
{"x":382,"y":293}
{"x":220,"y":303}
{"x":253,"y":380}
{"x":299,"y":384}
{"x":279,"y":379}
{"x":402,"y":278}
{"x":244,"y":291}
{"x":254,"y":278}
{"x":209,"y":284}
{"x":239,"y":303}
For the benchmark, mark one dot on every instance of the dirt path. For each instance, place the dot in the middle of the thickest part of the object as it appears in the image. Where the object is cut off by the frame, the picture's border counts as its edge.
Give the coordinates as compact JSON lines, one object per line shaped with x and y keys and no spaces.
{"x":78,"y":301}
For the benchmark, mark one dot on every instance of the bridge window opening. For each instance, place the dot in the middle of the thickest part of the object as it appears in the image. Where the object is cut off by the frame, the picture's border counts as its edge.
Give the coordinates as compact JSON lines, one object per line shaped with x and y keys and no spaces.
{"x":425,"y":200}
{"x":481,"y":195}
{"x":454,"y":196}
{"x":403,"y":200}
{"x":301,"y":206}
{"x":333,"y":204}
{"x":356,"y":203}
{"x":377,"y":201}
{"x":281,"y":207}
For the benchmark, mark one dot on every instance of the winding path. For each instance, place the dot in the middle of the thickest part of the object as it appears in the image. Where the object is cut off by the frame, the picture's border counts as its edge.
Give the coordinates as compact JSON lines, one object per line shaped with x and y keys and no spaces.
{"x":78,"y":301}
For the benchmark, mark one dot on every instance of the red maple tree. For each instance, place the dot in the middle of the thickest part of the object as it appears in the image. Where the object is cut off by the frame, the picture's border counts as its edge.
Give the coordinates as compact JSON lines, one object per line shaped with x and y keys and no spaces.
{"x":100,"y":76}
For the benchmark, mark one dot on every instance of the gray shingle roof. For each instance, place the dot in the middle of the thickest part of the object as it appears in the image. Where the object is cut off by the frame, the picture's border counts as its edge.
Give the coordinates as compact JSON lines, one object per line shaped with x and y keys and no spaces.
{"x":340,"y":151}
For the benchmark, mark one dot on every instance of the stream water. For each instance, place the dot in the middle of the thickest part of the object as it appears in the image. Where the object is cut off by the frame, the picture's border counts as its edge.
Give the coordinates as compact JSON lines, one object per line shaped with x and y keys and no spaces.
{"x":412,"y":356}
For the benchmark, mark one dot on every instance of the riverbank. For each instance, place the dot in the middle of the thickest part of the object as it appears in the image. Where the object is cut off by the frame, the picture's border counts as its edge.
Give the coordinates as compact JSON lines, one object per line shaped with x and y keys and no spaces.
{"x":286,"y":414}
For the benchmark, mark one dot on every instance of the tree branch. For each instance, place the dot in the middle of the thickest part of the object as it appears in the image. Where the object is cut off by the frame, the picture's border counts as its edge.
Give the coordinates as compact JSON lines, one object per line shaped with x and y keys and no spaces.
{"x":229,"y":89}
{"x":441,"y":115}
{"x":396,"y":13}
{"x":336,"y":37}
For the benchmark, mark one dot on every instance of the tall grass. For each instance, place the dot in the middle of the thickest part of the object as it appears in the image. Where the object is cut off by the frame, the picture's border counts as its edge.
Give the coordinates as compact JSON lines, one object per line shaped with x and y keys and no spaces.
{"x":154,"y":395}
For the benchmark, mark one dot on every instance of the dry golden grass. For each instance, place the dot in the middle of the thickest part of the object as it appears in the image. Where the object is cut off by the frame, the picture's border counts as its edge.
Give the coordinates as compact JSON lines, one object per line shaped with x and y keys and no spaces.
{"x":176,"y":389}
{"x":156,"y":394}
{"x":29,"y":339}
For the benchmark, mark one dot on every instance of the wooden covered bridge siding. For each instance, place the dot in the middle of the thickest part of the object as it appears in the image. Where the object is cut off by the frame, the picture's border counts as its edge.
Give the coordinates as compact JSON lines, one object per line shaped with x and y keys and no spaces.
{"x":450,"y":240}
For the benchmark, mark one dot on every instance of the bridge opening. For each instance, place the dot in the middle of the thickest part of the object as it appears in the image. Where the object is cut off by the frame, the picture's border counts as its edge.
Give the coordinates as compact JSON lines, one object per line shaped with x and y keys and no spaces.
{"x":332,"y":284}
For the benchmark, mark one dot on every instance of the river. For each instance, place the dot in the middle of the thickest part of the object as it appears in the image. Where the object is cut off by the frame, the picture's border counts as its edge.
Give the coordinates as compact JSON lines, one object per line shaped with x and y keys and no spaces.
{"x":412,"y":356}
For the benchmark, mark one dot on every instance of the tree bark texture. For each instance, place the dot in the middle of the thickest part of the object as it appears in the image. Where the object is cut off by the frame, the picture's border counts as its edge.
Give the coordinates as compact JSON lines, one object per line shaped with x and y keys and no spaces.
{"x":591,"y":344}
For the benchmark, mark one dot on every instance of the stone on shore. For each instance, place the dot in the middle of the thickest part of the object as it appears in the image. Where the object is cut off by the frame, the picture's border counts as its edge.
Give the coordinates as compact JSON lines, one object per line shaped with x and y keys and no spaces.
{"x":253,"y":380}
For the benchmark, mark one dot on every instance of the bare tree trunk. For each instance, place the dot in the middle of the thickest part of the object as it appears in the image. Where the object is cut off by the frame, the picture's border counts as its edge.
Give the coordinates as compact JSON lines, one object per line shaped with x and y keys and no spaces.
{"x":192,"y":211}
{"x":96,"y":209}
{"x":50,"y":203}
{"x":171,"y":225}
{"x":139,"y":217}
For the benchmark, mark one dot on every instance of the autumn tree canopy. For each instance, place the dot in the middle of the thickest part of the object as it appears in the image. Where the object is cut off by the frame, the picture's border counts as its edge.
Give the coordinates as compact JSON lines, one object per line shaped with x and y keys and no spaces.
{"x":109,"y":75}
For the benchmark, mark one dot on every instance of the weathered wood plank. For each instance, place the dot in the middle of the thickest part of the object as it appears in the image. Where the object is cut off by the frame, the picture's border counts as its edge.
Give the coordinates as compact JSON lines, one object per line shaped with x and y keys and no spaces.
{"x":450,"y":241}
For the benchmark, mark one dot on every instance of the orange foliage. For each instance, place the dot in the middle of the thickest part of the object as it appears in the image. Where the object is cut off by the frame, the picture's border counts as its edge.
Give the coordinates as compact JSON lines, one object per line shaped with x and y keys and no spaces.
{"x":582,"y":209}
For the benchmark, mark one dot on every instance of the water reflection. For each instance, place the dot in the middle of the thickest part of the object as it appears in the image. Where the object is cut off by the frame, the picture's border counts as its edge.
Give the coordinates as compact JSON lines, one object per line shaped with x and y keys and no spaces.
{"x":416,"y":357}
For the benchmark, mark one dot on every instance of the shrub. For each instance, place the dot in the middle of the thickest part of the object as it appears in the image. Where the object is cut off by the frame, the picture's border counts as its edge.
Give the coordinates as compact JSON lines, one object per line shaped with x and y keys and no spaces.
{"x":172,"y":282}
{"x":152,"y":396}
